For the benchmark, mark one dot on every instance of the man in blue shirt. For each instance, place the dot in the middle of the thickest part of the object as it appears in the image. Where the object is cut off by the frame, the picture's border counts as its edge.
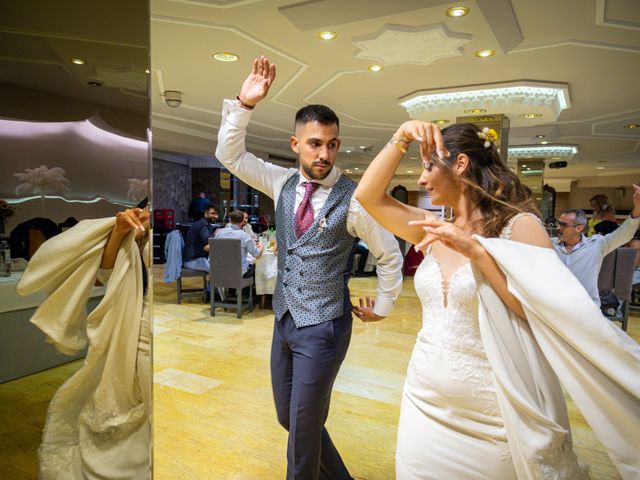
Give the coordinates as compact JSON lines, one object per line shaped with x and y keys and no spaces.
{"x":247,"y":244}
{"x":583,"y":255}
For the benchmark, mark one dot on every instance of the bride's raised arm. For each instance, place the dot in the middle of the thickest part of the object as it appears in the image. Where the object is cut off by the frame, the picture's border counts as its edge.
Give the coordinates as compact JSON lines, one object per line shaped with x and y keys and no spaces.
{"x":371,"y":192}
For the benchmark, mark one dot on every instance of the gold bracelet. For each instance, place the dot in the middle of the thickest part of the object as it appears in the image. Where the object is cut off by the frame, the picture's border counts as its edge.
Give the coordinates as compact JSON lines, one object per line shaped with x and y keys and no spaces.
{"x":402,"y":144}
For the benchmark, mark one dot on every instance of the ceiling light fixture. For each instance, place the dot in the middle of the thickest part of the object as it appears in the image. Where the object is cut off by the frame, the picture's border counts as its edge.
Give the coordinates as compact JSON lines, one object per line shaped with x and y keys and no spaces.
{"x":475,"y":111}
{"x":485,"y":53}
{"x":375,"y":67}
{"x":530,"y":115}
{"x":632,"y":125}
{"x":225,"y":57}
{"x":540,"y":136}
{"x":544,"y":143}
{"x":600,"y":168}
{"x":441,"y":121}
{"x":146,"y":70}
{"x":455,"y":12}
{"x":409,"y":171}
{"x":543,"y":151}
{"x":78,"y":61}
{"x":94,"y":83}
{"x":173,"y":98}
{"x":327,"y":35}
{"x":356,"y":168}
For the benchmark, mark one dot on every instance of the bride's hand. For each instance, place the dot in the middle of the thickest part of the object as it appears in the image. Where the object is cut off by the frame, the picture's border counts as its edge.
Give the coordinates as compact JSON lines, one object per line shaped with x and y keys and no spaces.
{"x":450,"y":235}
{"x":427,"y":134}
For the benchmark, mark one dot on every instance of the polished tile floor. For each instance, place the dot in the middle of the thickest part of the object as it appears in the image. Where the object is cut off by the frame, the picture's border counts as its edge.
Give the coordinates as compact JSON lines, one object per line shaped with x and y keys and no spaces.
{"x":213,"y":409}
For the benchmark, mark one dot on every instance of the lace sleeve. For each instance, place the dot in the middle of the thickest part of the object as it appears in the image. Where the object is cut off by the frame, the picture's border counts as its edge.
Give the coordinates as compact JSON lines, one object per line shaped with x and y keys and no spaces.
{"x":506,"y":231}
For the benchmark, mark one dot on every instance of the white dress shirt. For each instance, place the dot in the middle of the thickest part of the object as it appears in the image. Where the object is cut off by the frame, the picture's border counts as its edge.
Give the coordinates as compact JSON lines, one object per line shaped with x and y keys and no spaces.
{"x":585,"y":258}
{"x":270,"y":179}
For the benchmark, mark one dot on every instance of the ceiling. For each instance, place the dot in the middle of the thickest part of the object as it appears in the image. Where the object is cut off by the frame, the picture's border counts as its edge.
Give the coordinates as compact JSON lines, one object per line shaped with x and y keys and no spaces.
{"x":590,"y":47}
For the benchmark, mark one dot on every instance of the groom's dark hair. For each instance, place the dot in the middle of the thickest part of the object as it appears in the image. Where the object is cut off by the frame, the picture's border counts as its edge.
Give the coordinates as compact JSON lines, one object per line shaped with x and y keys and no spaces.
{"x":317,"y":113}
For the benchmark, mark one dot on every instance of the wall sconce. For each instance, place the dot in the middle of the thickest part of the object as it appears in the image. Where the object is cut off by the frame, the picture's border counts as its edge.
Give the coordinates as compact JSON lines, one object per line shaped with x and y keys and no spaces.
{"x":173,"y":98}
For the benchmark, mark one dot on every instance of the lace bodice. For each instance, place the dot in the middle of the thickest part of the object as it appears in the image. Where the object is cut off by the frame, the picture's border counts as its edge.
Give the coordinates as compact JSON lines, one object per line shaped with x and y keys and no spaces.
{"x":450,"y":330}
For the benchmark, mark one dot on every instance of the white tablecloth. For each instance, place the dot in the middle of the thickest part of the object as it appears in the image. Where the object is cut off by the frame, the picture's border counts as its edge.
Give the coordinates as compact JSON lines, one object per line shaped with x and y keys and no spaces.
{"x":266,"y":273}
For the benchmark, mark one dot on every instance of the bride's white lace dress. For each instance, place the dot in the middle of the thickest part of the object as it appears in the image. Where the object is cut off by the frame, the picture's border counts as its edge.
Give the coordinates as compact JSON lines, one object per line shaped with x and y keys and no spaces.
{"x":450,"y":422}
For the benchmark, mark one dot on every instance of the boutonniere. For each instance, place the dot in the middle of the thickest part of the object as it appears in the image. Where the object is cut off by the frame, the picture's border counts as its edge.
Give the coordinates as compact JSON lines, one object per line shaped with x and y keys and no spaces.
{"x":322,"y":225}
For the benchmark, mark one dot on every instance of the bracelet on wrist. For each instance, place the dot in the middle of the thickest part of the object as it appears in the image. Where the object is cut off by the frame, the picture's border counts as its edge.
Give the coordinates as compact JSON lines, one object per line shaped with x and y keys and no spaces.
{"x":401,"y":144}
{"x":244,"y":105}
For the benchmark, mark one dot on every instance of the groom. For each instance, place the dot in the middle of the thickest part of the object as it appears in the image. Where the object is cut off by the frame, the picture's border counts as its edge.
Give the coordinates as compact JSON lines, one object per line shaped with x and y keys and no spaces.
{"x":318,"y":223}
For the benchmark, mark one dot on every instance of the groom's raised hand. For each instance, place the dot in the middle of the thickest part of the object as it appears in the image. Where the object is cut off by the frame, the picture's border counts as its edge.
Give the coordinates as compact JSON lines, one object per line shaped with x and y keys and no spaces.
{"x":257,"y":84}
{"x":365,"y":311}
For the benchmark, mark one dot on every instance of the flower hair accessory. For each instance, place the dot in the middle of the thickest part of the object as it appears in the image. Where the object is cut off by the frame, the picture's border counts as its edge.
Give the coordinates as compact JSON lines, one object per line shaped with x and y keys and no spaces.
{"x":489,"y":135}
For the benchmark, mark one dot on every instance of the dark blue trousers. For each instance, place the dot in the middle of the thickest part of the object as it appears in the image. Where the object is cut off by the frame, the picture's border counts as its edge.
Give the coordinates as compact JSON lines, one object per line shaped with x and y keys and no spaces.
{"x":304,"y":364}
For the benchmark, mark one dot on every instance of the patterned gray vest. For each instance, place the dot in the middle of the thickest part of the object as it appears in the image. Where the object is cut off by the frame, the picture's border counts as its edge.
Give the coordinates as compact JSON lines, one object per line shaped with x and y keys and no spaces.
{"x":313,"y":270}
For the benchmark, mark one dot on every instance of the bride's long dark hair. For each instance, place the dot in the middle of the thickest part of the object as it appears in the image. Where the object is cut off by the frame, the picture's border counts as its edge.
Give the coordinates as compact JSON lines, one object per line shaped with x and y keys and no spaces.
{"x":494,"y":189}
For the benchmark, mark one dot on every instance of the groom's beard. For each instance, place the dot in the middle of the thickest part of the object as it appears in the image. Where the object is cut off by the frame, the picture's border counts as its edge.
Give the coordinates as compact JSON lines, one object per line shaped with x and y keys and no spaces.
{"x":313,"y":175}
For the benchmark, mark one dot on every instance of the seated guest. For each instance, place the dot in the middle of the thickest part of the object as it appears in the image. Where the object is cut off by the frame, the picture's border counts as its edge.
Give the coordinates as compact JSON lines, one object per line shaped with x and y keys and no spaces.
{"x":583,"y":255}
{"x":247,"y":244}
{"x":196,"y":243}
{"x":246,"y":226}
{"x":602,"y":211}
{"x":198,"y":206}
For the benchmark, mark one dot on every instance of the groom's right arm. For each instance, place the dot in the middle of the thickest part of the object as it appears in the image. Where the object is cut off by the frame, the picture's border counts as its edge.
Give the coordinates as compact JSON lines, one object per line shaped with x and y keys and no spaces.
{"x":231,"y":152}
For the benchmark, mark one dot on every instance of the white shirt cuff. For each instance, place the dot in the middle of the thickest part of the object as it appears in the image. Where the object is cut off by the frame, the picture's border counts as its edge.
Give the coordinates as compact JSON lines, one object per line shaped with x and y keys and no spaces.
{"x":383,"y":306}
{"x":233,"y":113}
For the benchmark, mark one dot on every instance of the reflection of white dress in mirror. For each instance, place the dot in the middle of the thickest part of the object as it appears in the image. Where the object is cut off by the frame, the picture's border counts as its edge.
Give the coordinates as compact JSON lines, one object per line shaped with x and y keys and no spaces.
{"x":98,"y":421}
{"x":450,"y":422}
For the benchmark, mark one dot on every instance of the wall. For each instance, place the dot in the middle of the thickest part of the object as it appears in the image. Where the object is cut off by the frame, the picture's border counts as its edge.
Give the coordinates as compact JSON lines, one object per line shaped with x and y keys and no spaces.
{"x":172,"y":188}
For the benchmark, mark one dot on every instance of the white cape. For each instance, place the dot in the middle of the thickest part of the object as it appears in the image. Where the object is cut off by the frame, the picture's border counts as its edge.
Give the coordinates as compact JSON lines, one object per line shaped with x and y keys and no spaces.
{"x":565,"y":337}
{"x":97,"y":424}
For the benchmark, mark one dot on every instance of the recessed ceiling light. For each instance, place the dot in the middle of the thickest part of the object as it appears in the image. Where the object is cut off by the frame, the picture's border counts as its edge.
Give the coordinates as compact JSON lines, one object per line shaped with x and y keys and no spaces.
{"x":523,"y":165}
{"x":540,"y":136}
{"x":327,"y":35}
{"x":455,"y":12}
{"x":78,"y":61}
{"x":225,"y":57}
{"x":375,"y":67}
{"x":544,"y":142}
{"x":600,"y":168}
{"x":409,"y":171}
{"x":348,"y":150}
{"x":356,"y":168}
{"x":441,"y":121}
{"x":94,"y":83}
{"x":530,"y":115}
{"x":632,"y":125}
{"x":363,"y":146}
{"x":485,"y":53}
{"x":556,"y":158}
{"x":475,"y":111}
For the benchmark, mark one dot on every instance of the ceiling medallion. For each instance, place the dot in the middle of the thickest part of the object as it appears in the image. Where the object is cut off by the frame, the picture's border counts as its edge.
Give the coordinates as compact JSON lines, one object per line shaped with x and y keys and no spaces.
{"x":556,"y":151}
{"x":397,"y":44}
{"x":509,"y":98}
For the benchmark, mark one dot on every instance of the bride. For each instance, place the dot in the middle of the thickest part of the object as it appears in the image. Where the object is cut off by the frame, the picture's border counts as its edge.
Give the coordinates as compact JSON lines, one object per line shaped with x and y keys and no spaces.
{"x":501,"y":318}
{"x":97,"y":423}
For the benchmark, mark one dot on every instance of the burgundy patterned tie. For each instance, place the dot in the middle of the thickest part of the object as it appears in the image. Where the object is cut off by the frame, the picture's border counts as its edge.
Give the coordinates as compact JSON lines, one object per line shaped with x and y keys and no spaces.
{"x":304,"y":214}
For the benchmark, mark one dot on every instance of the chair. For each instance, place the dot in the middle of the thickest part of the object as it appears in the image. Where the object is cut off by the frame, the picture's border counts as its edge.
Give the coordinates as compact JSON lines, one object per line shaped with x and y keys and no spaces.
{"x":226,"y":272}
{"x":174,"y":244}
{"x":616,"y":276}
